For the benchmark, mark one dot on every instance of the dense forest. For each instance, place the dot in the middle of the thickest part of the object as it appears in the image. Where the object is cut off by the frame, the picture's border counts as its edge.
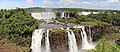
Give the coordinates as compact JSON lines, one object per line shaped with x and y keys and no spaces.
{"x":16,"y":27}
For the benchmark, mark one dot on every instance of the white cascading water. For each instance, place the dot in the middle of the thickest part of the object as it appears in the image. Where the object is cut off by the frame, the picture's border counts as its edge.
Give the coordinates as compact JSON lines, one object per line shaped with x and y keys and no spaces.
{"x":47,"y":41}
{"x":90,"y":36}
{"x":36,"y":40}
{"x":90,"y":40}
{"x":44,"y":15}
{"x":72,"y":42}
{"x":85,"y":44}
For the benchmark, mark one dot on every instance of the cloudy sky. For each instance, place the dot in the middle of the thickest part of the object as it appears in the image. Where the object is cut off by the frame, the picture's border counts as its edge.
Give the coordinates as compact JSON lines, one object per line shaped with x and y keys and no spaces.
{"x":92,"y":4}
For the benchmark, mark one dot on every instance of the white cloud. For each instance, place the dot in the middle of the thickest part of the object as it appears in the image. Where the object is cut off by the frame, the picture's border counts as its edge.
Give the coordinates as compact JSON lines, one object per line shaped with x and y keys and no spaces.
{"x":29,"y":1}
{"x":67,"y":2}
{"x":101,"y":3}
{"x":106,"y":4}
{"x":47,"y":2}
{"x":91,"y":3}
{"x":110,"y":2}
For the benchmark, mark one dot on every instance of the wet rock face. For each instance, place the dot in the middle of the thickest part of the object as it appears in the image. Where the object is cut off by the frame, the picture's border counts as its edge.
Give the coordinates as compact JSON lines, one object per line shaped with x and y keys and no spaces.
{"x":78,"y":37}
{"x":88,"y":32}
{"x":43,"y":42}
{"x":98,"y":32}
{"x":58,"y":41}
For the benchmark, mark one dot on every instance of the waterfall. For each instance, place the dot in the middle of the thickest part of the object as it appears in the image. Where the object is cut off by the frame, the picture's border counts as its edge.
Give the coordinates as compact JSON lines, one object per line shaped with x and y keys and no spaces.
{"x":85,"y":42}
{"x":72,"y":42}
{"x":62,"y":15}
{"x":90,"y":36}
{"x":47,"y":41}
{"x":44,"y":15}
{"x":38,"y":34}
{"x":36,"y":40}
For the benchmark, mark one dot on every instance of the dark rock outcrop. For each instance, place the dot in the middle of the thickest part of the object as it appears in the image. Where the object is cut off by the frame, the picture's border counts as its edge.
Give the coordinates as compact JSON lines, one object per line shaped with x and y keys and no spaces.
{"x":78,"y":37}
{"x":100,"y":31}
{"x":58,"y":40}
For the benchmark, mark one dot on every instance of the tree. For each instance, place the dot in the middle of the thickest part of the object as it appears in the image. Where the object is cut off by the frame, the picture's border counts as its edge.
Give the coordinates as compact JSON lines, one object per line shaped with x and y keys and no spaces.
{"x":19,"y":23}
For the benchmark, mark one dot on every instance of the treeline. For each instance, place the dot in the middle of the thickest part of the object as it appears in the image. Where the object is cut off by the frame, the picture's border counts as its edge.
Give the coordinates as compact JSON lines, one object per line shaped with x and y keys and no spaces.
{"x":16,"y":26}
{"x":17,"y":21}
{"x":105,"y":46}
{"x":107,"y":17}
{"x":39,"y":9}
{"x":113,"y":19}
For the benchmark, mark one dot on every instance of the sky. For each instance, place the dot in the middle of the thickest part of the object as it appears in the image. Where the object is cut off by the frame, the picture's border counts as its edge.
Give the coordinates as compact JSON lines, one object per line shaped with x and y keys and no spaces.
{"x":89,"y":4}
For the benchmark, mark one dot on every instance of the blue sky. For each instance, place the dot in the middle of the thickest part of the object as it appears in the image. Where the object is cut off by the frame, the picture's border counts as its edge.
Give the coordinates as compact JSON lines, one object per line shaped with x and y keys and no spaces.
{"x":92,"y":4}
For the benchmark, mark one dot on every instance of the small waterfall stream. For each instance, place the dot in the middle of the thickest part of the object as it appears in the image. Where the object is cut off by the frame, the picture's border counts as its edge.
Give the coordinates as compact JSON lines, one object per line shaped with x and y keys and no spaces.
{"x":85,"y":43}
{"x":90,"y":36}
{"x":47,"y":44}
{"x":72,"y":42}
{"x":36,"y":40}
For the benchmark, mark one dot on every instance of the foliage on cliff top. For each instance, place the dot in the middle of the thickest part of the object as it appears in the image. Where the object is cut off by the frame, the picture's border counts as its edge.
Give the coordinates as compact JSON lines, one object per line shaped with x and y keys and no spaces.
{"x":16,"y":26}
{"x":104,"y":46}
{"x":11,"y":45}
{"x":17,"y":22}
{"x":37,"y":9}
{"x":57,"y":31}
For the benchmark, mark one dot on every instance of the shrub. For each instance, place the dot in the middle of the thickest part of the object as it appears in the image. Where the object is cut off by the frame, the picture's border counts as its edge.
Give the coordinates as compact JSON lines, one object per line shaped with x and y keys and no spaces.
{"x":104,"y":46}
{"x":118,"y":41}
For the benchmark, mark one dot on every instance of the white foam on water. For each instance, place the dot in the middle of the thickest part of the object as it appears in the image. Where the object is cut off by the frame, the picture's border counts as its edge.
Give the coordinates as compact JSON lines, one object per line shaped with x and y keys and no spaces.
{"x":85,"y":43}
{"x":36,"y":40}
{"x":47,"y":44}
{"x":72,"y":42}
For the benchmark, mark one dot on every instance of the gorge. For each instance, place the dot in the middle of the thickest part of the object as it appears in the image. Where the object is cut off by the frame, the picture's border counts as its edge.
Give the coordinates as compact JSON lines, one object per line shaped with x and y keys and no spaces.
{"x":63,"y":36}
{"x":72,"y":43}
{"x":44,"y":41}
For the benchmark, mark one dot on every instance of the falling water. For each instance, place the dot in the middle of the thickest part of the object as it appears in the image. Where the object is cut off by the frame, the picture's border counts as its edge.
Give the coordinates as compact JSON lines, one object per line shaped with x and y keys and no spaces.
{"x":72,"y":42}
{"x":36,"y":40}
{"x":37,"y":37}
{"x":85,"y":43}
{"x":44,"y":15}
{"x":47,"y":42}
{"x":90,"y":36}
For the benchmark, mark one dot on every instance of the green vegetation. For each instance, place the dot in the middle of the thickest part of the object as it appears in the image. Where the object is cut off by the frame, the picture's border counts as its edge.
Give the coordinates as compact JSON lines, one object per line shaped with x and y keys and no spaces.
{"x":104,"y":46}
{"x":38,"y":9}
{"x":34,"y":9}
{"x":109,"y":18}
{"x":88,"y":23}
{"x":118,"y":41}
{"x":71,"y":20}
{"x":109,"y":43}
{"x":16,"y":44}
{"x":16,"y":26}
